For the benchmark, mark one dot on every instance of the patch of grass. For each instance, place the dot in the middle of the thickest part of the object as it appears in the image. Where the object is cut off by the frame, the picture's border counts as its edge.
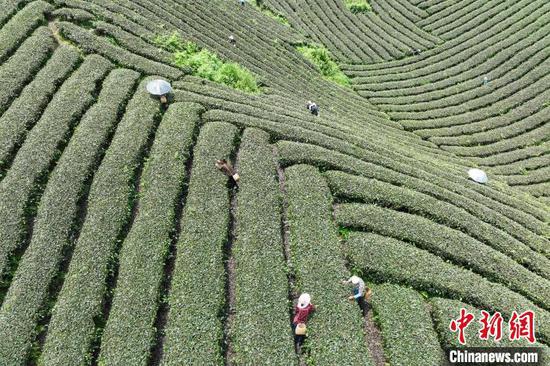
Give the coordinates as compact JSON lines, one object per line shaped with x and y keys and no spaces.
{"x":270,"y":13}
{"x":320,"y":57}
{"x":112,"y":40}
{"x":344,"y":232}
{"x":358,"y":6}
{"x":171,"y":43}
{"x":206,"y":64}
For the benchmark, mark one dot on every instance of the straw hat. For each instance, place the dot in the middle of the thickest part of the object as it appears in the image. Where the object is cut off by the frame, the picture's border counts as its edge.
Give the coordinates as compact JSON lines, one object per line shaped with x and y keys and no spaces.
{"x":355,"y":280}
{"x":304,"y":300}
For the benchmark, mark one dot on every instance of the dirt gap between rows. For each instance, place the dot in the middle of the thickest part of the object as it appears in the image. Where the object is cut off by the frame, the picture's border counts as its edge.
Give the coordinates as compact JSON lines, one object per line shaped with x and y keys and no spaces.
{"x":285,"y":235}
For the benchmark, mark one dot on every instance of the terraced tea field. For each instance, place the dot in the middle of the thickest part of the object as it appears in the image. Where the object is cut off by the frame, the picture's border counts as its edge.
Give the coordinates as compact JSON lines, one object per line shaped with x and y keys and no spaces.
{"x":122,"y":244}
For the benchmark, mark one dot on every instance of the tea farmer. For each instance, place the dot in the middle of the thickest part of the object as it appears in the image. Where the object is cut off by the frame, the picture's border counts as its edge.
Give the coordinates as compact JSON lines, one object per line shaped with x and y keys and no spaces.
{"x":232,"y":40}
{"x":359,"y":291}
{"x":301,"y":313}
{"x":313,"y":108}
{"x":225,"y":167}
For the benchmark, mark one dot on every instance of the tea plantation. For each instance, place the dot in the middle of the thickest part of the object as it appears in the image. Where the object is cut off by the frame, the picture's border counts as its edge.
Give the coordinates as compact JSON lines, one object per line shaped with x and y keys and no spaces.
{"x":121,"y":243}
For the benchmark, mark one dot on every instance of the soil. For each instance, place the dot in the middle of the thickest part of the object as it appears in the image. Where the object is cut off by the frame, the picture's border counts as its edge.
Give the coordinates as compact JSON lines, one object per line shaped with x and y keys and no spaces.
{"x":230,"y":279}
{"x":374,"y":339}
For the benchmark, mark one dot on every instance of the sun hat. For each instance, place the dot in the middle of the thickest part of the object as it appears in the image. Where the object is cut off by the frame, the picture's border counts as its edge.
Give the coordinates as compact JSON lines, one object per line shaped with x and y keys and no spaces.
{"x":355,"y":280}
{"x":304,"y":300}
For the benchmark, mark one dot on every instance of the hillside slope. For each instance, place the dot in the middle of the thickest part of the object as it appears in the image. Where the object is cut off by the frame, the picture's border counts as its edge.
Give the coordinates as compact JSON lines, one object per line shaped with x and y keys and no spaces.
{"x":122,"y":244}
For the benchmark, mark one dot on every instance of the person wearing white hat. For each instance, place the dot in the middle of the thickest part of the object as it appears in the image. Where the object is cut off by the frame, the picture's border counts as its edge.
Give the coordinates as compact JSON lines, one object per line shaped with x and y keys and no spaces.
{"x":313,"y":108}
{"x":359,"y":291}
{"x":303,"y":308}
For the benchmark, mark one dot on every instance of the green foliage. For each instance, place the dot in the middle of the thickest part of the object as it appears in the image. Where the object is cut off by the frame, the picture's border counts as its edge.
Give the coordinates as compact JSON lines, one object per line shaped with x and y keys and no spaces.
{"x":90,"y":43}
{"x":130,"y":333}
{"x":73,"y":15}
{"x":396,"y":172}
{"x":132,"y":43}
{"x":344,"y":232}
{"x":270,"y":13}
{"x":355,"y":188}
{"x":400,"y":171}
{"x":263,"y":335}
{"x":41,"y":149}
{"x":57,"y":212}
{"x":19,"y":27}
{"x":358,"y":6}
{"x":21,"y":67}
{"x":335,"y":329}
{"x":320,"y":57}
{"x":406,"y":326}
{"x":194,"y":328}
{"x":173,"y":43}
{"x":449,"y":244}
{"x":25,"y":111}
{"x":389,"y":260}
{"x":79,"y":306}
{"x":206,"y":64}
{"x":489,"y":200}
{"x":112,"y":40}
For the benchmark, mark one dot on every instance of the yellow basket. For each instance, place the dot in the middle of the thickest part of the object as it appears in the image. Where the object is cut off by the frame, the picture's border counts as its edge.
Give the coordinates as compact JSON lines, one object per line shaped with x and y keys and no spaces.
{"x":300,"y":329}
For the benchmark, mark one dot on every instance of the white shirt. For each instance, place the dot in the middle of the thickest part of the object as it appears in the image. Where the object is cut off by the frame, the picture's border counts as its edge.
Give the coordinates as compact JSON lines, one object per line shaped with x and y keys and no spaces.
{"x":359,"y":287}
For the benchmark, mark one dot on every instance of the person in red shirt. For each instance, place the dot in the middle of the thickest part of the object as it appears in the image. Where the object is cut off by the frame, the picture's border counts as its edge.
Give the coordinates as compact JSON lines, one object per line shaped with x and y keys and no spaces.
{"x":301,"y":314}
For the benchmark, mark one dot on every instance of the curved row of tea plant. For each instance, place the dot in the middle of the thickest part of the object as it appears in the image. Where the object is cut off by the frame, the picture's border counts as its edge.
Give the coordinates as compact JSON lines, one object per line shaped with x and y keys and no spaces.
{"x":194,"y":329}
{"x":446,"y":243}
{"x":335,"y":329}
{"x":406,"y":326}
{"x":41,"y":149}
{"x":390,"y":260}
{"x":347,"y":187}
{"x":26,"y":110}
{"x":261,"y":329}
{"x":130,"y":331}
{"x":77,"y":316}
{"x":56,"y":219}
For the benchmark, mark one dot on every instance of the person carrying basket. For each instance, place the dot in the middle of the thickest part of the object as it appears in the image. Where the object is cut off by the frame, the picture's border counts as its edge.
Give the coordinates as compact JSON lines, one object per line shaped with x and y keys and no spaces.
{"x":302,"y":310}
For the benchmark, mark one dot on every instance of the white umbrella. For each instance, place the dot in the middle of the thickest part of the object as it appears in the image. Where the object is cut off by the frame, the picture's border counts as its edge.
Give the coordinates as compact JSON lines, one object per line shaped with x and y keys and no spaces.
{"x":159,"y":87}
{"x":478,"y":175}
